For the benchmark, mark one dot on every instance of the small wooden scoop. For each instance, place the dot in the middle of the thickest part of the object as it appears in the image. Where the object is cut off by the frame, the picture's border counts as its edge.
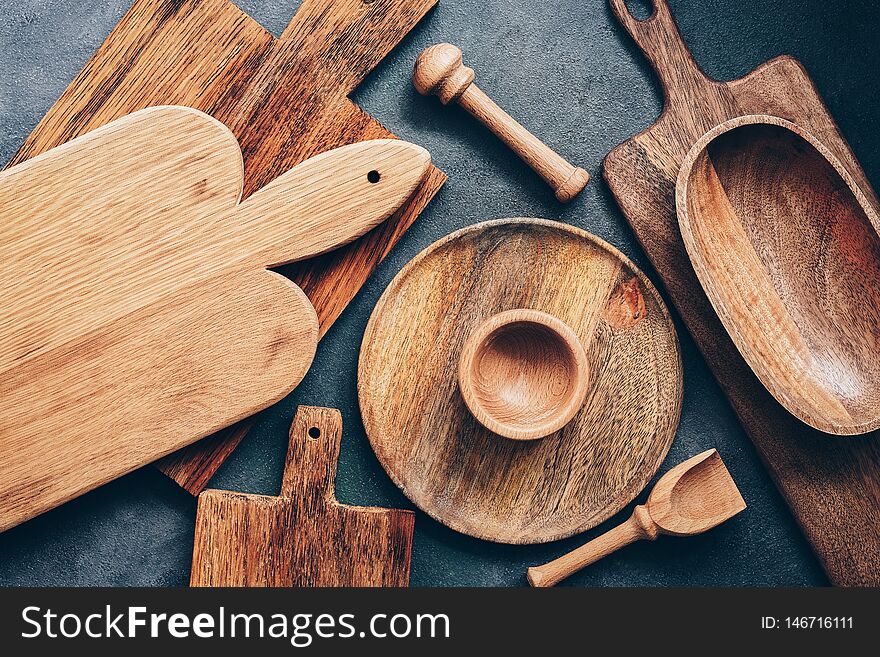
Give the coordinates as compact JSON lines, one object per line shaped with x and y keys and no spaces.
{"x":692,"y":498}
{"x":785,"y":245}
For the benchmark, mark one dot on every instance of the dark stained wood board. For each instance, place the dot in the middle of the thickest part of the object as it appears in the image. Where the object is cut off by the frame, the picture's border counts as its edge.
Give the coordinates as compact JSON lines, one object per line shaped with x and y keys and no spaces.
{"x":303,"y":537}
{"x":832,"y":484}
{"x":285,"y":99}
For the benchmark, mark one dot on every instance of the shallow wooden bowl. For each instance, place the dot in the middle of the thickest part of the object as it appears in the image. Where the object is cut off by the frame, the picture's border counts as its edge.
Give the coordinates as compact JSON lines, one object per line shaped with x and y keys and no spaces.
{"x":785,"y":245}
{"x":462,"y":473}
{"x":523,"y":374}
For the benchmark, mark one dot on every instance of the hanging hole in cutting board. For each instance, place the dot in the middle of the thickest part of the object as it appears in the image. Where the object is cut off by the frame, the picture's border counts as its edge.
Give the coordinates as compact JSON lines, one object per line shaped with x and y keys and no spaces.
{"x":314,"y":433}
{"x":374,"y":176}
{"x":641,"y":10}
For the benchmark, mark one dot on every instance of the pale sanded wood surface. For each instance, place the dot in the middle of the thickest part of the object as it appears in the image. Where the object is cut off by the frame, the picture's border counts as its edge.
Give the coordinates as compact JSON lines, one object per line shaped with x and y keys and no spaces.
{"x":786,"y":247}
{"x":478,"y":482}
{"x":831,"y":484}
{"x":138,"y":312}
{"x":303,"y":537}
{"x":285,"y":99}
{"x":692,"y":498}
{"x":439,"y":71}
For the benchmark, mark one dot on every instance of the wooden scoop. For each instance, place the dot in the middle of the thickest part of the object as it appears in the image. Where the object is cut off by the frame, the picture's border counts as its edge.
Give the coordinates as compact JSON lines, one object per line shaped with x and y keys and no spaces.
{"x":785,"y":245}
{"x":692,"y":498}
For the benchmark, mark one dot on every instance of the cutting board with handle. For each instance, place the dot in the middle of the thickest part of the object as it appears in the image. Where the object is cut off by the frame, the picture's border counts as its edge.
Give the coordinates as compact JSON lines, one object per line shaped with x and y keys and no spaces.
{"x":285,"y":99}
{"x":832,"y":484}
{"x":139,"y":315}
{"x":303,"y":537}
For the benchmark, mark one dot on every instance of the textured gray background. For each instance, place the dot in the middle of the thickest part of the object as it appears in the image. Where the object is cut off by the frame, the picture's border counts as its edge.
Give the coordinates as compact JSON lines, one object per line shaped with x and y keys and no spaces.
{"x":569,"y":73}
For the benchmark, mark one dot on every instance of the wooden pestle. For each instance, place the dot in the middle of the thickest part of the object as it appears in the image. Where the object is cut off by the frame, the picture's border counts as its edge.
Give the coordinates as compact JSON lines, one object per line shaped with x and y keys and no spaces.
{"x":439,"y":71}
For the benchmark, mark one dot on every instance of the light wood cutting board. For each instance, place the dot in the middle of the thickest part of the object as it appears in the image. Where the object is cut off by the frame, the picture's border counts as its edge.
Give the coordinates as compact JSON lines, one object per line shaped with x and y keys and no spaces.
{"x":832,"y":484}
{"x":138,"y":315}
{"x":303,"y":537}
{"x":285,"y":99}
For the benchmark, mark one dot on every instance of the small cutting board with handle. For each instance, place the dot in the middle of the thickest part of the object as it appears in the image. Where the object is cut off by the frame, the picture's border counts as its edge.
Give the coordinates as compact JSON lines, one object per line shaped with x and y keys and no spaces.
{"x":831,"y":484}
{"x":286,"y":99}
{"x":138,"y":312}
{"x":304,"y":537}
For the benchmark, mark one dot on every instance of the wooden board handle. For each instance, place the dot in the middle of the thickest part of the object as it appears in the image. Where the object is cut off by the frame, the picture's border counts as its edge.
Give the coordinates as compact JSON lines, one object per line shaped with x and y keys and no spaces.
{"x":336,"y":196}
{"x":638,"y":526}
{"x":660,"y":40}
{"x":358,"y":33}
{"x":310,"y":469}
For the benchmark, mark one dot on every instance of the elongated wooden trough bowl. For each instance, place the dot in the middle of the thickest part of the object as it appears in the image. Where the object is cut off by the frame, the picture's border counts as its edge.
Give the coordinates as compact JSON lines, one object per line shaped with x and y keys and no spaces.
{"x":786,"y":247}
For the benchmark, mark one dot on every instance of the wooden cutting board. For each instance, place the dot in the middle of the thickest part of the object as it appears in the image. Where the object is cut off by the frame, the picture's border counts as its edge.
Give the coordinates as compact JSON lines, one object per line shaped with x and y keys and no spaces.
{"x":460,"y":472}
{"x":138,"y":312}
{"x":832,"y":484}
{"x":304,"y":537}
{"x":285,"y":99}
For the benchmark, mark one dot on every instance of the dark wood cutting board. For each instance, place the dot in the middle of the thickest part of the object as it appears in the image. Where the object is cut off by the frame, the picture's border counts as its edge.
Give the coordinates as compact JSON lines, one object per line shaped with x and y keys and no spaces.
{"x":832,"y":484}
{"x":285,"y":99}
{"x":303,"y":537}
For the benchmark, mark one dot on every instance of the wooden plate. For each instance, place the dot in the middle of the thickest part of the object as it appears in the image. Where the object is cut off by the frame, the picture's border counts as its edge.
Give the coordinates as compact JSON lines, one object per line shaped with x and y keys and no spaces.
{"x":785,"y":245}
{"x":477,"y":482}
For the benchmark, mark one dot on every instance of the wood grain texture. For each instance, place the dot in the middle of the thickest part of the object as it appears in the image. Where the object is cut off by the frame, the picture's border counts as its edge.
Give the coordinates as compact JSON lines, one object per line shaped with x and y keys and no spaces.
{"x":461,"y":473}
{"x":121,"y":252}
{"x":692,"y":498}
{"x":284,"y":99}
{"x":831,"y":484}
{"x":523,"y":374}
{"x":439,"y":71}
{"x":303,"y":537}
{"x":786,"y":247}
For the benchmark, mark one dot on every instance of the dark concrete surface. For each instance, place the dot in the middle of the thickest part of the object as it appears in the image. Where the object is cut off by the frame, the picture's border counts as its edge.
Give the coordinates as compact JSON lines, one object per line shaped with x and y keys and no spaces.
{"x":568,"y":72}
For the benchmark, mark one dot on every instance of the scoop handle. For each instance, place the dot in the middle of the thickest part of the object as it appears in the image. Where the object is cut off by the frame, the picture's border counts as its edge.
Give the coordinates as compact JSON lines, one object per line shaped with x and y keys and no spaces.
{"x":638,"y":526}
{"x":660,"y":40}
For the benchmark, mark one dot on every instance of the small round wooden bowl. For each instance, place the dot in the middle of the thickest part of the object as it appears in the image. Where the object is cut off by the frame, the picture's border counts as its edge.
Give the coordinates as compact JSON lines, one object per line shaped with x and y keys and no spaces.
{"x":523,"y":374}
